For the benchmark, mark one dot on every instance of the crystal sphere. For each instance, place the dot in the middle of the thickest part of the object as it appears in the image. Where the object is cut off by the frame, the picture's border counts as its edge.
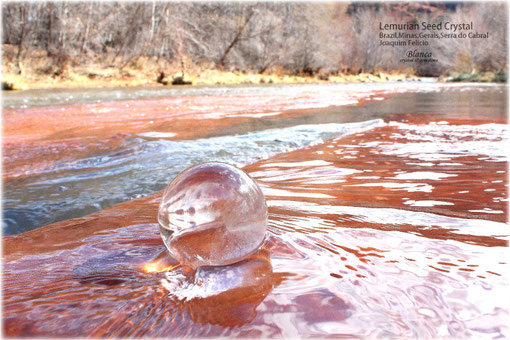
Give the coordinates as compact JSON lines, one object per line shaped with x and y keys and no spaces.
{"x":212,"y":214}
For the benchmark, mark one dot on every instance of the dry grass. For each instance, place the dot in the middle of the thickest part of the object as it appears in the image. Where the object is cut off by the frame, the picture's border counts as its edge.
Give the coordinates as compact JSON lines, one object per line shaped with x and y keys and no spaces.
{"x":41,"y":71}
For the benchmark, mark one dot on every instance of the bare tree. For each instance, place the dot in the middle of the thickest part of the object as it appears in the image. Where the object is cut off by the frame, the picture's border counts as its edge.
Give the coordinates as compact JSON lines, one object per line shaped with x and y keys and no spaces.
{"x":305,"y":38}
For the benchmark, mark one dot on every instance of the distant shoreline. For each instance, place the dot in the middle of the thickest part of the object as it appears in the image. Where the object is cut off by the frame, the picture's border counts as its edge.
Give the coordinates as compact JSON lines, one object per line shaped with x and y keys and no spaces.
{"x":101,"y":78}
{"x":76,"y":79}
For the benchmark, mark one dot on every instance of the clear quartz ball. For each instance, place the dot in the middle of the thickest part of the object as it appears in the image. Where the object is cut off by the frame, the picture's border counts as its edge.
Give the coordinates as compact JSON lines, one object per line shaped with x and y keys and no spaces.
{"x":212,"y":214}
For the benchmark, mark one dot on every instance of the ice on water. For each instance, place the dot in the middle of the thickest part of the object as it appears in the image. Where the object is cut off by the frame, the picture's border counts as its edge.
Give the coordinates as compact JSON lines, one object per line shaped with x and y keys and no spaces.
{"x":212,"y":214}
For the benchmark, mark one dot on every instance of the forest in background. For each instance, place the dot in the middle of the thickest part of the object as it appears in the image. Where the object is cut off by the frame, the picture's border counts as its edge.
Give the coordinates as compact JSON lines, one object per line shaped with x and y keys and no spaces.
{"x":296,"y":38}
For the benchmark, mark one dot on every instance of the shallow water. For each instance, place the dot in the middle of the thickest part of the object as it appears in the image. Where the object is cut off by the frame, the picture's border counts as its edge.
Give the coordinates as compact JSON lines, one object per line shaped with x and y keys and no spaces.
{"x":394,"y":231}
{"x":46,"y":97}
{"x":386,"y":219}
{"x":141,"y":166}
{"x":67,"y":153}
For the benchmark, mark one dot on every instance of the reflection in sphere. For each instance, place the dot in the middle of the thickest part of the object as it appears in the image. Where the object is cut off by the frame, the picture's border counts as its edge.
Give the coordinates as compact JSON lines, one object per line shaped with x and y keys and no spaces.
{"x":212,"y":214}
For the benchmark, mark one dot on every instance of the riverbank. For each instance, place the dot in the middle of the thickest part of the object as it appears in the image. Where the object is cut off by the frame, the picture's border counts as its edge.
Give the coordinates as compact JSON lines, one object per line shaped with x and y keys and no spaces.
{"x":112,"y":77}
{"x":103,"y":76}
{"x":40,"y":71}
{"x":477,"y":77}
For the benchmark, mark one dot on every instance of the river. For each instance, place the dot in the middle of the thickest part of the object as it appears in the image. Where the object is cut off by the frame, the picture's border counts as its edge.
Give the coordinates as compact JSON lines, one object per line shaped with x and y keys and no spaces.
{"x":68,"y":153}
{"x":387,"y":211}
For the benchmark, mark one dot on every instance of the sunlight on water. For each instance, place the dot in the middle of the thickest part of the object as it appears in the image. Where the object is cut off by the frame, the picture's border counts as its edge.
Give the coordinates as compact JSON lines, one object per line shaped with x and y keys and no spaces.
{"x":408,"y":273}
{"x":376,"y":230}
{"x":341,"y":260}
{"x":96,"y":150}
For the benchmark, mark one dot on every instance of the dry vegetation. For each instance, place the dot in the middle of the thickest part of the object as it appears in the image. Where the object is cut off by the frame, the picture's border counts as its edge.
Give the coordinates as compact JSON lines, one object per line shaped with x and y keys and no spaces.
{"x":135,"y":43}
